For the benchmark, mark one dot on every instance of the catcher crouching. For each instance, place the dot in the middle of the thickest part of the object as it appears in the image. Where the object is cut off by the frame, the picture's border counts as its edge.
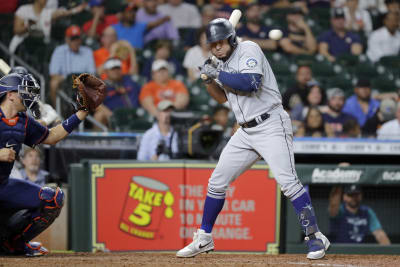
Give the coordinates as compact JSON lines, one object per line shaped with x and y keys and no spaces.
{"x":27,"y":209}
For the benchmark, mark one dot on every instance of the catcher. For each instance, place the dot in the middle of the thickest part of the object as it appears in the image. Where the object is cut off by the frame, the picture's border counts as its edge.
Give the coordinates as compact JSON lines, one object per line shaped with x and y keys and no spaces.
{"x":27,"y":209}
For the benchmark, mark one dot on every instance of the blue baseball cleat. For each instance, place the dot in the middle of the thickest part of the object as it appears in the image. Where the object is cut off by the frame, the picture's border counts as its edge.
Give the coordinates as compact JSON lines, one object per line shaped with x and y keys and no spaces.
{"x":317,"y":245}
{"x":35,"y":249}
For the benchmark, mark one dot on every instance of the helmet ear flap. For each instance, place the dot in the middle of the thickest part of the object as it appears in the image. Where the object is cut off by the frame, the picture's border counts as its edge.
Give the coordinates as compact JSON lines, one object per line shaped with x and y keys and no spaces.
{"x":233,"y":40}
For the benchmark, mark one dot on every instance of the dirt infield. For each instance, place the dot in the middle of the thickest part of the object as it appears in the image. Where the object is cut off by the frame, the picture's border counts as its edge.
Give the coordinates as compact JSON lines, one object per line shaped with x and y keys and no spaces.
{"x":212,"y":259}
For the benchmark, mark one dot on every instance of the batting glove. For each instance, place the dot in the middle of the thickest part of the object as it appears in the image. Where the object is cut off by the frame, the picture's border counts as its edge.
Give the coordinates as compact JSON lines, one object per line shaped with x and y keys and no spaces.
{"x":209,"y":70}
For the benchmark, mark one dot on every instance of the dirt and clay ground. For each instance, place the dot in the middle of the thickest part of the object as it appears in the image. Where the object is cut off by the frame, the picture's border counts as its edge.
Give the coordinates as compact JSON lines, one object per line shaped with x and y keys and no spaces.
{"x":211,"y":259}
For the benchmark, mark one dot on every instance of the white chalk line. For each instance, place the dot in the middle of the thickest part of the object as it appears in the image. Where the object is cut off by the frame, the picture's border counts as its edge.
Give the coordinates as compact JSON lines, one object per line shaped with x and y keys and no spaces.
{"x":324,"y":264}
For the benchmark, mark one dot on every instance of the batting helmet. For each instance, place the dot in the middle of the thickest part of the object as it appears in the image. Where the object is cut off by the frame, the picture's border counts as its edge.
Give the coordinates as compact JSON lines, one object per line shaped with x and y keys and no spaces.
{"x":221,"y":29}
{"x":19,"y":70}
{"x":26,"y":86}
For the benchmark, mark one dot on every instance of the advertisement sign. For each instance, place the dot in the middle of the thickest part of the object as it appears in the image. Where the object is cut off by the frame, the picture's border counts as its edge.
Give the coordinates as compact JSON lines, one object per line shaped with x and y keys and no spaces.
{"x":158,"y":206}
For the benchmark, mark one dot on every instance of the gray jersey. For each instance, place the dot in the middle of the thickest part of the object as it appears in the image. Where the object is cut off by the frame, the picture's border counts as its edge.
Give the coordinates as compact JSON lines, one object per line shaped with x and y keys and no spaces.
{"x":249,"y":58}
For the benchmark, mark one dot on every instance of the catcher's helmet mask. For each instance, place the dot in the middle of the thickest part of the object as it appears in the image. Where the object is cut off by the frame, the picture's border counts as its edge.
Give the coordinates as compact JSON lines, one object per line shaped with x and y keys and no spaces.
{"x":27,"y":87}
{"x":221,"y":29}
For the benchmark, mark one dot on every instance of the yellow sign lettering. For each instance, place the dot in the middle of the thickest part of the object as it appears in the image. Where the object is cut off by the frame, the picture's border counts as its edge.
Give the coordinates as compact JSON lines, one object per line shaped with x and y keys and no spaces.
{"x":138,"y":194}
{"x":157,"y":199}
{"x":141,"y":215}
{"x":148,"y":197}
{"x":132,"y":189}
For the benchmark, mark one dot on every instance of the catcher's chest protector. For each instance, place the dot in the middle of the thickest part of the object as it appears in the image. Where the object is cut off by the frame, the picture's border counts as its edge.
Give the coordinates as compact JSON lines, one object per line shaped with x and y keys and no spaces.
{"x":12,"y":135}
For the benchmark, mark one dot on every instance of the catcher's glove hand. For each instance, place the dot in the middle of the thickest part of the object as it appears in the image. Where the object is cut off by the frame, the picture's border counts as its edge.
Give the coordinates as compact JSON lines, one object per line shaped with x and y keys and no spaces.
{"x":91,"y":92}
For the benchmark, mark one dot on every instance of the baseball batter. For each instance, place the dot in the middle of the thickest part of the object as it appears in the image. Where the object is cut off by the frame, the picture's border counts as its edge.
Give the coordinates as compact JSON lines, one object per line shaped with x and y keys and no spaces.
{"x":243,"y":77}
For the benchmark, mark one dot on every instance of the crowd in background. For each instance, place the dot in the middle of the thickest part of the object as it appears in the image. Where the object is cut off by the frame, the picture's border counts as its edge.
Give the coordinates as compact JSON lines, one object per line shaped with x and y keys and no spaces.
{"x":148,"y":51}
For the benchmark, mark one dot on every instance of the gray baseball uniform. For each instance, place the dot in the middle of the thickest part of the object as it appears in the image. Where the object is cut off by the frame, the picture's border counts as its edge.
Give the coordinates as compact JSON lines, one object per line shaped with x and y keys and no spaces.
{"x":271,"y":139}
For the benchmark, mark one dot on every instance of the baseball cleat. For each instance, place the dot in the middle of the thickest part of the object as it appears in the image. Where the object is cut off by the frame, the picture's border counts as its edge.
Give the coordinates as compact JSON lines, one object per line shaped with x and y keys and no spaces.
{"x":202,"y":242}
{"x":35,"y":249}
{"x":317,"y":245}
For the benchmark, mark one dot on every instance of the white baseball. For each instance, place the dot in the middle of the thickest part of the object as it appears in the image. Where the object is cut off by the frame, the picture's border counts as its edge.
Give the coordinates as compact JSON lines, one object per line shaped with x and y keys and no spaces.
{"x":275,"y":34}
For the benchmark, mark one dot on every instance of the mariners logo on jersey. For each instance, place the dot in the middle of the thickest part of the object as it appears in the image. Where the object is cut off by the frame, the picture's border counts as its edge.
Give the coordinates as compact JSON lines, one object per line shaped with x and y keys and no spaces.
{"x":251,"y":63}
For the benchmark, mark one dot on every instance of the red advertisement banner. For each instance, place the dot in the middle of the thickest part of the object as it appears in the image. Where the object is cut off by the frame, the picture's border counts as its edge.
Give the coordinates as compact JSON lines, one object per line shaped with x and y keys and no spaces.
{"x":158,"y":206}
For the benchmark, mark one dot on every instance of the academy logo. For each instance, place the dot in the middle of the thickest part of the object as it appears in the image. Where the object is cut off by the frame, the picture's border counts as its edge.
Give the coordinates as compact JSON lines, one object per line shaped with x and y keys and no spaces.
{"x":251,"y":63}
{"x":391,"y":176}
{"x":336,"y":176}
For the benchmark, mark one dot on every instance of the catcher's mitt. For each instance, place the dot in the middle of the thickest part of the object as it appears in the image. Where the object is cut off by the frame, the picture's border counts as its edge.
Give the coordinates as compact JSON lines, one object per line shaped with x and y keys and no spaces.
{"x":91,"y":92}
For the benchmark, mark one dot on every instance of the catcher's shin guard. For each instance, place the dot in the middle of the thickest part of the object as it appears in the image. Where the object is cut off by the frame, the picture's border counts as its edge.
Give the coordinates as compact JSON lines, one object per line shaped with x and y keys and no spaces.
{"x":23,"y":226}
{"x":52,"y":202}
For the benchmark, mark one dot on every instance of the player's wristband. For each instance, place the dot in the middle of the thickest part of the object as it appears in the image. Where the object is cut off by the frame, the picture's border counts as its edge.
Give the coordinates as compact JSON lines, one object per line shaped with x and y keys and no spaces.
{"x":71,"y":123}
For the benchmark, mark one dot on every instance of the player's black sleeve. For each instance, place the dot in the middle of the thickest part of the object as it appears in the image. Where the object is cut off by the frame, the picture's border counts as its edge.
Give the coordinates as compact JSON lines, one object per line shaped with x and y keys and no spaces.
{"x":35,"y":132}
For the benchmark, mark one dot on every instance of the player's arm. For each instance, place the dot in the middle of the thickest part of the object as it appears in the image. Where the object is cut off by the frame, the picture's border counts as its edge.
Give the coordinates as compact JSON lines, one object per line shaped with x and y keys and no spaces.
{"x":334,"y":201}
{"x":381,"y":237}
{"x":216,"y":92}
{"x":60,"y":131}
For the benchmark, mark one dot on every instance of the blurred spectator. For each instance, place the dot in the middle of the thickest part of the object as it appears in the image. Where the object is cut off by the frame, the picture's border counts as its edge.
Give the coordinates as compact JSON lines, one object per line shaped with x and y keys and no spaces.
{"x":298,"y":94}
{"x":94,"y":28}
{"x":313,"y":124}
{"x":196,"y":56}
{"x":122,"y":91}
{"x":386,"y":112}
{"x":113,"y":48}
{"x":222,"y":9}
{"x":392,"y":5}
{"x":148,"y":13}
{"x":160,"y":142}
{"x":253,"y":29}
{"x":351,"y":129}
{"x":31,"y":170}
{"x":298,"y":38}
{"x":338,"y":40}
{"x":162,"y":87}
{"x":35,"y":20}
{"x":183,"y":15}
{"x":220,"y":119}
{"x":163,"y":51}
{"x":208,"y":13}
{"x":69,"y":58}
{"x":360,"y":105}
{"x":132,"y":31}
{"x":373,"y":6}
{"x":385,"y":41}
{"x":333,"y":116}
{"x":315,"y":98}
{"x":357,"y":19}
{"x":391,"y":129}
{"x":351,"y":221}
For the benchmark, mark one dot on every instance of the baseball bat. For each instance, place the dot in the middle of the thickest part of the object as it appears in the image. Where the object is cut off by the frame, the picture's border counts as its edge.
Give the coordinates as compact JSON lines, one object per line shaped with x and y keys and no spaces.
{"x":233,"y":19}
{"x":4,"y":67}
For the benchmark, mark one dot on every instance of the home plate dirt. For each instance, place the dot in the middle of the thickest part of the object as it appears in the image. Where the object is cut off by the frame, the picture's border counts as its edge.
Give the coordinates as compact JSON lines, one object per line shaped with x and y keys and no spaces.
{"x":212,"y":259}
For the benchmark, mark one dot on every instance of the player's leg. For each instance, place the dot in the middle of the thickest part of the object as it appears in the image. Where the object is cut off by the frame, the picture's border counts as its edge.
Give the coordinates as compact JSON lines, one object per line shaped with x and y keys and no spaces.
{"x":236,"y":157}
{"x":33,"y":209}
{"x":274,"y":142}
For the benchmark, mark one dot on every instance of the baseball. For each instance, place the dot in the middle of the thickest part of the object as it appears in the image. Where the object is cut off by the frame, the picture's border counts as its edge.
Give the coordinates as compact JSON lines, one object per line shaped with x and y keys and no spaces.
{"x":275,"y":34}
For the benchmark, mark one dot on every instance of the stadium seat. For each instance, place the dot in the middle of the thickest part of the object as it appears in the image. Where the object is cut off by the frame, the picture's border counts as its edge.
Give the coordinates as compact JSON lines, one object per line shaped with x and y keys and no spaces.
{"x":130,"y":119}
{"x":347,"y":60}
{"x":323,"y":68}
{"x":342,"y":81}
{"x":365,"y":70}
{"x":385,"y":84}
{"x":390,"y":62}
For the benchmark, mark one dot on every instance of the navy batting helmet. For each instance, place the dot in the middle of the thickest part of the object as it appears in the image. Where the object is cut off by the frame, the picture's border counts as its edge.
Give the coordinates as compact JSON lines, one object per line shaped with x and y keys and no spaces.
{"x":221,"y":29}
{"x":19,"y":70}
{"x":26,"y":86}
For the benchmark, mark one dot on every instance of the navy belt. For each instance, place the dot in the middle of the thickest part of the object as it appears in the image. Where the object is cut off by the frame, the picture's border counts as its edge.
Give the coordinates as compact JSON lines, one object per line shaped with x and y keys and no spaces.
{"x":256,"y":121}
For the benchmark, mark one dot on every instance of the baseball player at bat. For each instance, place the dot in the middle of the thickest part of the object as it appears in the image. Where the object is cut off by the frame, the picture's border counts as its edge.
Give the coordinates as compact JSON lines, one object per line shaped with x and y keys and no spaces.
{"x":27,"y":209}
{"x":244,"y":78}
